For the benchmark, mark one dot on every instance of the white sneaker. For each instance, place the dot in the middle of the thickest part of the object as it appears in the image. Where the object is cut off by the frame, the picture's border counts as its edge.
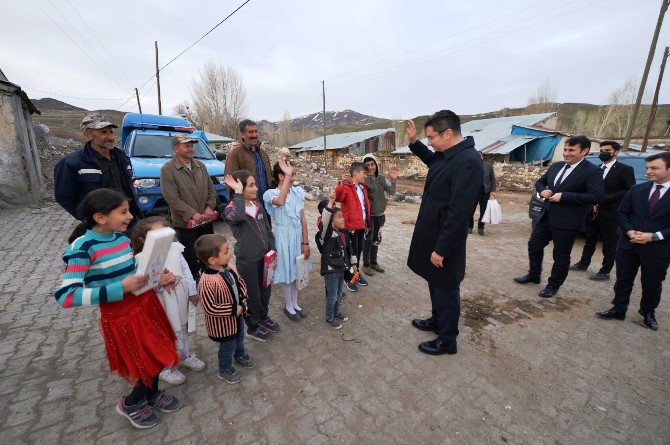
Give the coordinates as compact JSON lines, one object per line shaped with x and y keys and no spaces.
{"x":193,"y":362}
{"x":172,"y":376}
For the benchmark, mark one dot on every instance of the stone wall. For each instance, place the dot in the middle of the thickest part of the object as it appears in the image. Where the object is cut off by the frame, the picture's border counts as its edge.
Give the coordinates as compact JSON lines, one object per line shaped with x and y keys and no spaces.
{"x":513,"y":177}
{"x":517,"y":177}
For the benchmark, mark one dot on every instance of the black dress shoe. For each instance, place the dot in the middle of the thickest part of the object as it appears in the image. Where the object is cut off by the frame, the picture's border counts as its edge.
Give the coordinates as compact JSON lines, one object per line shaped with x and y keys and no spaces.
{"x":579,"y":266}
{"x":527,"y":279}
{"x":548,"y":292}
{"x":612,"y":313}
{"x":649,"y":320}
{"x":438,"y":347}
{"x":600,"y":277}
{"x":424,"y":325}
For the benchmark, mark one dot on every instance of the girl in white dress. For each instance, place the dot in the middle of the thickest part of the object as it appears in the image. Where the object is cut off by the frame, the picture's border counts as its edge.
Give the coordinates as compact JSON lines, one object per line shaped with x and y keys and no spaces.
{"x":285,"y":204}
{"x":175,"y":302}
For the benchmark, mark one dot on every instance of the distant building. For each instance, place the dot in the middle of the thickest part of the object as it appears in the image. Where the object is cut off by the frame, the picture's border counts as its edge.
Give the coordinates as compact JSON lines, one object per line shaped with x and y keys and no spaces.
{"x":20,"y":169}
{"x":357,"y":143}
{"x":216,"y":141}
{"x":530,"y":138}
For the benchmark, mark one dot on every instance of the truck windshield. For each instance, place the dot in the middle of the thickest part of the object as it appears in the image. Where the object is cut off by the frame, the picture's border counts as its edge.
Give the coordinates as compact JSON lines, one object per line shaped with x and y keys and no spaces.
{"x":156,"y":146}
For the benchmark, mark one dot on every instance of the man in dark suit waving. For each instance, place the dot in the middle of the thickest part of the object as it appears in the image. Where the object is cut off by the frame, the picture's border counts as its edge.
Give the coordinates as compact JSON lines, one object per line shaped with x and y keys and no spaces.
{"x":644,"y":217}
{"x":618,"y":178}
{"x":568,"y":188}
{"x":437,"y":249}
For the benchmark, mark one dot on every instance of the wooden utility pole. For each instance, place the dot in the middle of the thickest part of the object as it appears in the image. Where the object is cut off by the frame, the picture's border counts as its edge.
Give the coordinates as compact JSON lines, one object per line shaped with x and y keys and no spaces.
{"x":139,"y":105}
{"x":323,"y":89}
{"x":158,"y":80}
{"x":654,"y":104}
{"x":643,"y":82}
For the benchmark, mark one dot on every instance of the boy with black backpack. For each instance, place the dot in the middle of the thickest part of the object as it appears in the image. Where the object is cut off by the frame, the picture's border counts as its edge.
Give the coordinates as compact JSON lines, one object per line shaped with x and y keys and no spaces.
{"x":337,"y":257}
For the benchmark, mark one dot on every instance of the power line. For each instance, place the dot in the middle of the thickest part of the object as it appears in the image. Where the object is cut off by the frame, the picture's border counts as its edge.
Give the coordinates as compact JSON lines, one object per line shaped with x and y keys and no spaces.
{"x":413,"y":50}
{"x":459,"y":48}
{"x":194,"y":43}
{"x":69,"y":97}
{"x":118,"y":67}
{"x":76,"y":44}
{"x":86,"y":42}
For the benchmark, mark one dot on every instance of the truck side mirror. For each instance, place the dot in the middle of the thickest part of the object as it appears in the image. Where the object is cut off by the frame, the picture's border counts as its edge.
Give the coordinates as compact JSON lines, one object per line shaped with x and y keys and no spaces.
{"x":221,"y":156}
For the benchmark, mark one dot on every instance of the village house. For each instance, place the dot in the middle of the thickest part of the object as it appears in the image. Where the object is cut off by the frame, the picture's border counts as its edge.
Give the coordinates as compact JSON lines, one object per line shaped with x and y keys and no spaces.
{"x":20,"y":170}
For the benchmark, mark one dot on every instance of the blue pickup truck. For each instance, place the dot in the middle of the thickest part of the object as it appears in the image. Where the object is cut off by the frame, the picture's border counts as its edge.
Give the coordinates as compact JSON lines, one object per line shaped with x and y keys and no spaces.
{"x":147,"y":140}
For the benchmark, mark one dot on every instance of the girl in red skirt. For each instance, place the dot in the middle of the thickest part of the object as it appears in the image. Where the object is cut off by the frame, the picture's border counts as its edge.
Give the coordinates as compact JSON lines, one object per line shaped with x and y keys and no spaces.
{"x":137,"y":334}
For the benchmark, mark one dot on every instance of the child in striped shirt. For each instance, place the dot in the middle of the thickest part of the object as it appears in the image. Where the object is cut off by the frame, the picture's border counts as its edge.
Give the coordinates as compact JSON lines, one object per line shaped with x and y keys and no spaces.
{"x":137,"y":334}
{"x":223,"y":294}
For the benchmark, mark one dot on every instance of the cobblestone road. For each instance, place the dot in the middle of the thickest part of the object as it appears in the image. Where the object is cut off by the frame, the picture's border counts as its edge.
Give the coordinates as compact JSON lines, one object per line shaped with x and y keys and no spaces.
{"x":527,"y":371}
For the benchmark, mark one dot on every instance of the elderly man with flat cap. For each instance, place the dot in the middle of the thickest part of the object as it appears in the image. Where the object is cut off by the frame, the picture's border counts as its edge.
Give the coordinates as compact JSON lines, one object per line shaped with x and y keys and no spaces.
{"x":97,"y":165}
{"x":189,"y":193}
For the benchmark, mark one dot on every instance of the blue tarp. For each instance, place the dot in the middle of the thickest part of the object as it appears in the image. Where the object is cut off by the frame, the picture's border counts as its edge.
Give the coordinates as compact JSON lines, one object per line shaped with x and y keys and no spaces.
{"x":540,"y":149}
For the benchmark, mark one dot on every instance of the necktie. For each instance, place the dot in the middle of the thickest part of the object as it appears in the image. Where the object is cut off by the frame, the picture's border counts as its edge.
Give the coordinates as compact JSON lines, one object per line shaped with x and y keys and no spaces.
{"x":560,"y":178}
{"x":654,"y":198}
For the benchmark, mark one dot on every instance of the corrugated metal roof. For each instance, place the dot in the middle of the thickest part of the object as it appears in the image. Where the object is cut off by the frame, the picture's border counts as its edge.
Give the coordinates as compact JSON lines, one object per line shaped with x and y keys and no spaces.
{"x":212,"y":137}
{"x":488,"y":132}
{"x":341,"y":140}
{"x":508,"y":144}
{"x":405,"y":150}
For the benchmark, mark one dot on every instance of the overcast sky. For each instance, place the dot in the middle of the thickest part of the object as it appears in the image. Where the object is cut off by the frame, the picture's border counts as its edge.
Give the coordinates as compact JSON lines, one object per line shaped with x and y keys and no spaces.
{"x":386,"y":58}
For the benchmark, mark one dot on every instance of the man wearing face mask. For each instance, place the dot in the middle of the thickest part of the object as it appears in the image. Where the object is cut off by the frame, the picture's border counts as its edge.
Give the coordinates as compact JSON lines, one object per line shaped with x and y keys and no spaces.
{"x":618,"y":178}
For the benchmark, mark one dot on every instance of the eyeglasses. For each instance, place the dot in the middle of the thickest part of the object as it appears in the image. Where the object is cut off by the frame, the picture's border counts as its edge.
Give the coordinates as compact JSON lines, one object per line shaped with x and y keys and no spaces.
{"x":430,"y":138}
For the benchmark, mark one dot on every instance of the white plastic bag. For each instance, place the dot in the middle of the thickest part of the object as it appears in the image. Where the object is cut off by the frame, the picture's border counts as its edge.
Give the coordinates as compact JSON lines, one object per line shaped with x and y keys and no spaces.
{"x":493,"y":213}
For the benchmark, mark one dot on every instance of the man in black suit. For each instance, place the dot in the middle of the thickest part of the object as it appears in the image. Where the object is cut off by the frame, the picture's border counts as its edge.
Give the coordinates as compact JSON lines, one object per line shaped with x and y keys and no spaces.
{"x":568,"y":188}
{"x":437,"y":250}
{"x":618,"y":178}
{"x":486,"y":192}
{"x":644,"y":218}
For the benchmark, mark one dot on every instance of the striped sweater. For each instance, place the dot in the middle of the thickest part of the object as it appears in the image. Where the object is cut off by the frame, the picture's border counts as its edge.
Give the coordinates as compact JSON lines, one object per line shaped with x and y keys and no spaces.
{"x":219,"y":303}
{"x":96,"y":265}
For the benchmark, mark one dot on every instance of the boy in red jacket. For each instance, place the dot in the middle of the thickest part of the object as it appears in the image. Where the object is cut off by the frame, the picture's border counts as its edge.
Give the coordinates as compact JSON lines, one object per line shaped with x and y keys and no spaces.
{"x":352,"y":194}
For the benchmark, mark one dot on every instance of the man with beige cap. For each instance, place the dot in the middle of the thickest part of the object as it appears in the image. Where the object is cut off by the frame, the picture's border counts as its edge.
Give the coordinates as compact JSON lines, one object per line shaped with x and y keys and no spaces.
{"x":97,"y":165}
{"x":190,"y":195}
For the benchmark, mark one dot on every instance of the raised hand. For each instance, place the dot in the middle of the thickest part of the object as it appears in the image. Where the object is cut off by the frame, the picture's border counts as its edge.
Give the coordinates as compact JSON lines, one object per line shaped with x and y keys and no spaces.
{"x":393,"y":173}
{"x":411,"y":131}
{"x":234,"y":184}
{"x":331,"y":195}
{"x":285,"y":166}
{"x":346,"y":177}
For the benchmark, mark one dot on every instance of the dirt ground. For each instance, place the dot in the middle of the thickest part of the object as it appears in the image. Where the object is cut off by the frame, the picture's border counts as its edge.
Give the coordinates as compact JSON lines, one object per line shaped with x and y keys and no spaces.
{"x":528,"y":370}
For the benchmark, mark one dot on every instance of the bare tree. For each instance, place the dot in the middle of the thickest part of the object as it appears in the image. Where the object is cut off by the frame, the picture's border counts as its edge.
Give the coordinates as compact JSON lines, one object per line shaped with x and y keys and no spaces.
{"x":185,"y":110}
{"x":613,"y":118}
{"x":544,"y":99}
{"x":219,"y":99}
{"x":285,"y":136}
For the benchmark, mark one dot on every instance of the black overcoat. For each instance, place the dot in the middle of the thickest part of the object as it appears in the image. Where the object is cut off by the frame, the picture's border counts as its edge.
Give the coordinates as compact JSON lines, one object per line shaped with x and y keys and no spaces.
{"x":451,"y":190}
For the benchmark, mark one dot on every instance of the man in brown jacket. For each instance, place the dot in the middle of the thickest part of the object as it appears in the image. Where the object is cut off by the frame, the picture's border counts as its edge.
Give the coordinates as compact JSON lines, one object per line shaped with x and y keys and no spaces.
{"x":248,"y":155}
{"x":190,"y":195}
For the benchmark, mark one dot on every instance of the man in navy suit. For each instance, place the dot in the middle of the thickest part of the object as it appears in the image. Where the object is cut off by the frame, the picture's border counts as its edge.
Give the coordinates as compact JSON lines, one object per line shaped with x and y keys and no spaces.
{"x":568,"y":188}
{"x":618,"y":178}
{"x":644,"y":218}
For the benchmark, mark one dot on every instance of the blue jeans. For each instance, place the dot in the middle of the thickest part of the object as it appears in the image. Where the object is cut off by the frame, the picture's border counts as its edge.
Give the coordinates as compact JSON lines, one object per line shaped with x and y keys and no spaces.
{"x":334,"y":283}
{"x":234,"y":346}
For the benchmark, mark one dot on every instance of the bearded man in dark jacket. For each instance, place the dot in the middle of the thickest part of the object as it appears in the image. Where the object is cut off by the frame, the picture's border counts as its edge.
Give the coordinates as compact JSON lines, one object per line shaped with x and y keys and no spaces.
{"x":97,"y":165}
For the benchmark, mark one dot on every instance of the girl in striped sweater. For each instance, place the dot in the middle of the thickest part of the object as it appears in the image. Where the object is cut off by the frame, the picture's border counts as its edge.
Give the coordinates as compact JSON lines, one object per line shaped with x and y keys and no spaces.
{"x":223,"y":294}
{"x":137,"y":334}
